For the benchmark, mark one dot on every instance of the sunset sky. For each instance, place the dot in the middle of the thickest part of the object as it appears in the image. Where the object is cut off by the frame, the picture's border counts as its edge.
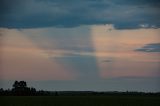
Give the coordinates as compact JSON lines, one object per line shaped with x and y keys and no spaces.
{"x":101,"y":45}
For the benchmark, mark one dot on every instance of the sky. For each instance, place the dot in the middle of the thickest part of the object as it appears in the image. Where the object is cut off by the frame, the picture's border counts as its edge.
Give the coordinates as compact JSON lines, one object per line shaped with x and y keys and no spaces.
{"x":99,"y":45}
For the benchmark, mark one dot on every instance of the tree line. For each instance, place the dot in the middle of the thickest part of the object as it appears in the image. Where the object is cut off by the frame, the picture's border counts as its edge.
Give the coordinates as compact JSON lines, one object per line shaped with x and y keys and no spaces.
{"x":20,"y":88}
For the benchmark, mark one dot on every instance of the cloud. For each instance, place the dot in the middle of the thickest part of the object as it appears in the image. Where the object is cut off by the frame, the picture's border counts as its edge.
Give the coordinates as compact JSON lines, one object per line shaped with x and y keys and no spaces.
{"x":153,"y":47}
{"x":122,"y":14}
{"x":108,"y":61}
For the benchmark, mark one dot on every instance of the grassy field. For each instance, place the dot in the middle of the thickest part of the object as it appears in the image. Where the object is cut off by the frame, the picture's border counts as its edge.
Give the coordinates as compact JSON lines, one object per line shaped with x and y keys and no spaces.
{"x":79,"y":101}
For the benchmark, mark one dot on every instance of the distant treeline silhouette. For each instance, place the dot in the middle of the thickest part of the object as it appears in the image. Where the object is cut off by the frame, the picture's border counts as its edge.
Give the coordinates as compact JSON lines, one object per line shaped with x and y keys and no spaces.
{"x":20,"y":88}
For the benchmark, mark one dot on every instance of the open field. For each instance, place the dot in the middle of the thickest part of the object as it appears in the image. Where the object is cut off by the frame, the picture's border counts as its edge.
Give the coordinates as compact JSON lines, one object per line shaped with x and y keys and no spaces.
{"x":80,"y":100}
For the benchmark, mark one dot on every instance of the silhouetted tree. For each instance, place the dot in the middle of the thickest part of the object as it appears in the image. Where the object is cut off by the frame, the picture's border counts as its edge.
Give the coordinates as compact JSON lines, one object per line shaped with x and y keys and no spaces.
{"x":20,"y":84}
{"x":56,"y":93}
{"x":20,"y":88}
{"x":33,"y":91}
{"x":15,"y":85}
{"x":1,"y":90}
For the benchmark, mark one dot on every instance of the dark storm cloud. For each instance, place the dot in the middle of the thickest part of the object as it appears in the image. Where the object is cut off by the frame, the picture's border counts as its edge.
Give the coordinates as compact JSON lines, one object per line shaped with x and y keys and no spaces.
{"x":154,"y":47}
{"x":123,"y":14}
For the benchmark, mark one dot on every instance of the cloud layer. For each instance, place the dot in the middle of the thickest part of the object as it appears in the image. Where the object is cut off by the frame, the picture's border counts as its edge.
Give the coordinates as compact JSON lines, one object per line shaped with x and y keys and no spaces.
{"x":122,"y":14}
{"x":153,"y":47}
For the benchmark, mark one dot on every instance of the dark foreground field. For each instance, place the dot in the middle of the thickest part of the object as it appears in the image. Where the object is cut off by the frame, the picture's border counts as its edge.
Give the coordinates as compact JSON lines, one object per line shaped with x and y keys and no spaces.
{"x":80,"y":100}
